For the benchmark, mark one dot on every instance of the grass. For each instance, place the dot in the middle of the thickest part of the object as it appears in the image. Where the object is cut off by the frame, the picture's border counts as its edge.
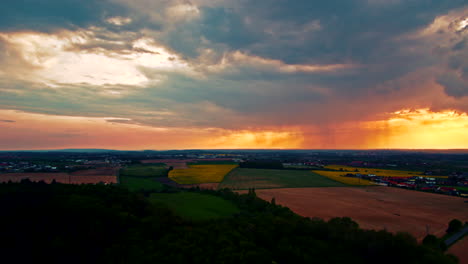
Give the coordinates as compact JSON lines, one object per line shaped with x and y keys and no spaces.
{"x":196,"y":174}
{"x":243,"y":178}
{"x":460,"y":188}
{"x":380,"y":172}
{"x":196,"y":206}
{"x":141,"y":177}
{"x":140,"y":184}
{"x":143,"y":170}
{"x":339,"y":176}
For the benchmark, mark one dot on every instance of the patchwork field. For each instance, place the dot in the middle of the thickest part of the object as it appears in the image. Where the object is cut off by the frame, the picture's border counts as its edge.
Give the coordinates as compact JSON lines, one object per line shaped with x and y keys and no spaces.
{"x":242,"y":179}
{"x":196,"y":206}
{"x":375,"y":207}
{"x":197,"y":174}
{"x":339,"y":176}
{"x":381,"y":172}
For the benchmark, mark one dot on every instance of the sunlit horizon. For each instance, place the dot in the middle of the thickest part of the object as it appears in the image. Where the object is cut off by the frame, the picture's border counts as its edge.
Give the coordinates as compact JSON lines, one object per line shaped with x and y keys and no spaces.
{"x":233,"y":75}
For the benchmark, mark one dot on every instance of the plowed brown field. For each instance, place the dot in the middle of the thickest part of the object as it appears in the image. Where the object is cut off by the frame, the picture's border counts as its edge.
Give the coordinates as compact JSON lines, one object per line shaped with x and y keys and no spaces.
{"x":460,"y":249}
{"x":374,"y":207}
{"x":105,"y":175}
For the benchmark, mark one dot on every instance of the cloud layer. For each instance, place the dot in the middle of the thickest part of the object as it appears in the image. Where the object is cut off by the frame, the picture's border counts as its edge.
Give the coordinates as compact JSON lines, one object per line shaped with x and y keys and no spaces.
{"x":266,"y":73}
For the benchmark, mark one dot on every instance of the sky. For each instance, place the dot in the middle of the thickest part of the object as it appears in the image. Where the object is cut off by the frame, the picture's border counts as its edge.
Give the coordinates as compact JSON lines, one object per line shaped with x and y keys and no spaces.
{"x":222,"y":74}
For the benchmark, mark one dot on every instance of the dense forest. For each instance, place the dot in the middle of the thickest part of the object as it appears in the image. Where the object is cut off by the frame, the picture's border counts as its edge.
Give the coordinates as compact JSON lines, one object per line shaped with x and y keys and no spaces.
{"x":58,"y":223}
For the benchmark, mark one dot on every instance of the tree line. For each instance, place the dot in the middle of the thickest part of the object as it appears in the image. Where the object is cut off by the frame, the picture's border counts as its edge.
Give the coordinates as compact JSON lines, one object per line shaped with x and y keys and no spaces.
{"x":59,"y":223}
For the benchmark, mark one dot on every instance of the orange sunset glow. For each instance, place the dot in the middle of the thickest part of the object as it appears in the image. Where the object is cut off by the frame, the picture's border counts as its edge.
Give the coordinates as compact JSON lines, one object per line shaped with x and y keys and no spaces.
{"x":422,"y":128}
{"x":212,"y":74}
{"x":412,"y":129}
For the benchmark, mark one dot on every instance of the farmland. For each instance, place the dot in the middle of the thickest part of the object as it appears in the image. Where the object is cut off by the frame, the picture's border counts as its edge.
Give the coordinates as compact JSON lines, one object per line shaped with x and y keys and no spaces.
{"x":140,"y":170}
{"x":140,"y":184}
{"x":175,"y":163}
{"x":196,"y":206}
{"x":142,"y":177}
{"x":459,"y":250}
{"x":375,"y":207}
{"x":242,"y":178}
{"x":380,"y":172}
{"x":98,"y":175}
{"x":339,"y":177}
{"x":197,"y":174}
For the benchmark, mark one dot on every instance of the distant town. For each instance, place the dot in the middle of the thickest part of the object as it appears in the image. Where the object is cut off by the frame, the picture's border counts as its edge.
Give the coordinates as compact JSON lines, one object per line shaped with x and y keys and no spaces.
{"x":444,"y":173}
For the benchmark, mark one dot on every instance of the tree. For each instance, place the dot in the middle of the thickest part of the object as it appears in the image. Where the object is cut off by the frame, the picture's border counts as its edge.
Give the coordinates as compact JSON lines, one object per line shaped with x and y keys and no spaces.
{"x":434,"y":242}
{"x":454,"y":226}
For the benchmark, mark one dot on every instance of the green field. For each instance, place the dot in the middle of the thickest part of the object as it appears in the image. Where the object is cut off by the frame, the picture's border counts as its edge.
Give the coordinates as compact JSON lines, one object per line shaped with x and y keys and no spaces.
{"x":143,"y":170}
{"x":242,"y":178}
{"x":460,"y":188}
{"x":140,"y":184}
{"x":141,"y":177}
{"x":196,"y":206}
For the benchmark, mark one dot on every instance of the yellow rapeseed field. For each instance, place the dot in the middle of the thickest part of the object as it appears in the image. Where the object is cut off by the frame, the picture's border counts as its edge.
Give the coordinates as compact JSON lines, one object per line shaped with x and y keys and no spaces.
{"x":196,"y":174}
{"x":381,"y":172}
{"x":339,"y":177}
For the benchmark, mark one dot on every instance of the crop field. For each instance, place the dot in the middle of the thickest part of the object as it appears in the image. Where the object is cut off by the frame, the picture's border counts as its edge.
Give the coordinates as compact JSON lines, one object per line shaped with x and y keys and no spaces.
{"x":102,"y":171}
{"x":196,"y":206}
{"x":197,"y":174}
{"x":459,"y":250}
{"x":61,"y":177}
{"x":174,"y":163}
{"x":339,"y":177}
{"x":141,"y":170}
{"x":140,"y":184}
{"x":243,"y":178}
{"x":142,"y":177}
{"x":380,"y":172}
{"x":376,"y":207}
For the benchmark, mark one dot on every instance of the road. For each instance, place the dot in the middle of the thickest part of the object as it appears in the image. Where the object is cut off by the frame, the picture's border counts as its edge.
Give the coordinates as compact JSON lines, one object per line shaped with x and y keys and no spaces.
{"x":456,"y":236}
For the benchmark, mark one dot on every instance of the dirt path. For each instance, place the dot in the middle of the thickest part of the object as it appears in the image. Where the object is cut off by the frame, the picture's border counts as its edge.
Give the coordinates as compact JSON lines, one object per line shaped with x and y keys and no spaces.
{"x":387,"y":208}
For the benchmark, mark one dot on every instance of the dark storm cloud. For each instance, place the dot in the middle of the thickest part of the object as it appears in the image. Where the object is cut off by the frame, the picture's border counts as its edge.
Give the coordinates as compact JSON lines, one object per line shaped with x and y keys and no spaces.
{"x":372,"y":33}
{"x":54,"y":14}
{"x":344,"y":30}
{"x":454,"y":85}
{"x":455,"y":78}
{"x":374,"y":36}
